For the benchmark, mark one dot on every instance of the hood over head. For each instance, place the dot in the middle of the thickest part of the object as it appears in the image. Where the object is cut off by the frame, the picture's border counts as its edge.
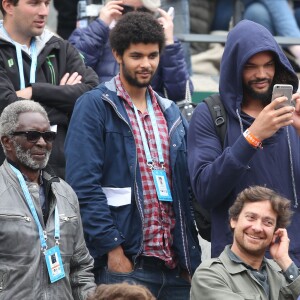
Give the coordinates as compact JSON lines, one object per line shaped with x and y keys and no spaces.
{"x":245,"y":40}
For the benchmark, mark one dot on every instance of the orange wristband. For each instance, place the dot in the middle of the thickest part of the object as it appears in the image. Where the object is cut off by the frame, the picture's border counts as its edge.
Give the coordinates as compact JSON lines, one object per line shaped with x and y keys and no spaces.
{"x":252,"y":140}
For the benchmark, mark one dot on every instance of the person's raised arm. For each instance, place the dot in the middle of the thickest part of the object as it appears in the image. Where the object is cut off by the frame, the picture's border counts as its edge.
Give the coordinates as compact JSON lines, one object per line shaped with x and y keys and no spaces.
{"x":279,"y":248}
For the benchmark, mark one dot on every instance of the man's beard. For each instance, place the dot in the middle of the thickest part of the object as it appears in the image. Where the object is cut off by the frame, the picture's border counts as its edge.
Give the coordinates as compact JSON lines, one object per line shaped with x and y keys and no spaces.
{"x":264,"y":97}
{"x":133,"y":81}
{"x":25,"y":158}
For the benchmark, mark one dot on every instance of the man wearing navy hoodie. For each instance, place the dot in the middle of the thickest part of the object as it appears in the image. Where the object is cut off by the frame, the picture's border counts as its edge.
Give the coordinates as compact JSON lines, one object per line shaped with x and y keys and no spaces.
{"x":262,"y":143}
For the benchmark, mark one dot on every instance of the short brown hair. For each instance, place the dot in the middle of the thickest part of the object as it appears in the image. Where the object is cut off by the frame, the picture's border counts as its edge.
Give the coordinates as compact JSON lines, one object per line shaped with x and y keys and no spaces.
{"x":280,"y":205}
{"x":13,"y":2}
{"x":121,"y":291}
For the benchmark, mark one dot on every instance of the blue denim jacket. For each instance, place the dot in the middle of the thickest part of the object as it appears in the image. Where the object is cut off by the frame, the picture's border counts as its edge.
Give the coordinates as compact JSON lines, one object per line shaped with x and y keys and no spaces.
{"x":101,"y":153}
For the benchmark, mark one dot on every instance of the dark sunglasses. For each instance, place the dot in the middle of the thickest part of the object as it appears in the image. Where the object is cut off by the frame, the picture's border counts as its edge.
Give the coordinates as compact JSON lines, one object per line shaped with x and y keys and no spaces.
{"x":128,"y":8}
{"x":33,"y":136}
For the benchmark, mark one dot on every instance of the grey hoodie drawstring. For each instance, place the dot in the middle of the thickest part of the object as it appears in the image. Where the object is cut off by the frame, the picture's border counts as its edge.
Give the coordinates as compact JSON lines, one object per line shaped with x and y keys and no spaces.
{"x":292,"y":167}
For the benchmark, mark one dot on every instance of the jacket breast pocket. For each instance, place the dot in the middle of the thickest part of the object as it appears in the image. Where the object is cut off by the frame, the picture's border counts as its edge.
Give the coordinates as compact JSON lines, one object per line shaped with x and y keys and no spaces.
{"x":68,"y":232}
{"x":249,"y":296}
{"x":17,"y":233}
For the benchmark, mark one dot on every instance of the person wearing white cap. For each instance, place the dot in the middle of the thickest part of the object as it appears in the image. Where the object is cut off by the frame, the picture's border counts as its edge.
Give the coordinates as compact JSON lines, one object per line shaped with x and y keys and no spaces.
{"x":172,"y":74}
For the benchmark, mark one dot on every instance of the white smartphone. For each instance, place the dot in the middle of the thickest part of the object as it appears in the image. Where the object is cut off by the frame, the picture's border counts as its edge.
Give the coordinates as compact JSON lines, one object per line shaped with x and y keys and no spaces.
{"x":171,"y":12}
{"x":280,"y":90}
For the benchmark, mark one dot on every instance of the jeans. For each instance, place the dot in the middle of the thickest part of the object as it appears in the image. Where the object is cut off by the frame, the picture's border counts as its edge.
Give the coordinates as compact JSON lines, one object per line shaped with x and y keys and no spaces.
{"x":257,"y":12}
{"x":223,"y":14}
{"x":164,"y":283}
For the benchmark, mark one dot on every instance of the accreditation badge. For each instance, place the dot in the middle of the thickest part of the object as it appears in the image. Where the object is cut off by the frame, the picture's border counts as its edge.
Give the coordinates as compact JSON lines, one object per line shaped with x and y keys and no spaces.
{"x":162,"y":185}
{"x":54,"y":264}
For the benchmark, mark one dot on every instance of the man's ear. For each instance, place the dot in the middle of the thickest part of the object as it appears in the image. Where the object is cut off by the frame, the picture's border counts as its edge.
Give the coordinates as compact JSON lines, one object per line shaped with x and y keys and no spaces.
{"x":232,"y":223}
{"x":116,"y":55}
{"x":6,"y":142}
{"x":7,"y":6}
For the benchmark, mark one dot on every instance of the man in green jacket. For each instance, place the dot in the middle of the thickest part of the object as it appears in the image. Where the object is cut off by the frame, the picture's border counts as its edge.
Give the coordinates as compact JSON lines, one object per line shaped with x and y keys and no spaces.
{"x":258,"y":219}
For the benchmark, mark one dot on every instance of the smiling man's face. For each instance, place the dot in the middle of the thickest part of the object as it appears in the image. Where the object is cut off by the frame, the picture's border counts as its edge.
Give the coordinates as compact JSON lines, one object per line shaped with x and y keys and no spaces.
{"x":253,"y":230}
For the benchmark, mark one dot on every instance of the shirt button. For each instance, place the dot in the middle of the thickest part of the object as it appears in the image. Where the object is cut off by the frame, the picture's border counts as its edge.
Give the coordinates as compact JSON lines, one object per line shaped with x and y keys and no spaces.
{"x":115,"y":239}
{"x":174,"y":145}
{"x":291,"y":276}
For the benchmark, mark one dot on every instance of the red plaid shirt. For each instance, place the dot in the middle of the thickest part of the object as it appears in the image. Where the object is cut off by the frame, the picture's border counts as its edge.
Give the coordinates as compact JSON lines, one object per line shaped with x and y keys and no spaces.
{"x":159,"y":218}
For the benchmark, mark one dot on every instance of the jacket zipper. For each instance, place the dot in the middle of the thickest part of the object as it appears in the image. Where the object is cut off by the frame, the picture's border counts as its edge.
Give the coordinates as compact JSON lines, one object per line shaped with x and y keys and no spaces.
{"x":1,"y":283}
{"x":183,"y":226}
{"x":176,"y":123}
{"x":66,"y":219}
{"x":27,"y":219}
{"x":105,"y":98}
{"x":51,"y":68}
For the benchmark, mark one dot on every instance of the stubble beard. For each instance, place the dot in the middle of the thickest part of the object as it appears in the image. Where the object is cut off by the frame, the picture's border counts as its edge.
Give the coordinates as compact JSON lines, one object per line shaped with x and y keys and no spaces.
{"x":133,"y":81}
{"x":25,"y":158}
{"x":264,"y":97}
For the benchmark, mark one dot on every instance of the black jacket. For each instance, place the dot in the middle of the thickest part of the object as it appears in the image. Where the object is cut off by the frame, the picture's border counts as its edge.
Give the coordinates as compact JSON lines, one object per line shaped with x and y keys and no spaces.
{"x":66,"y":16}
{"x":56,"y":57}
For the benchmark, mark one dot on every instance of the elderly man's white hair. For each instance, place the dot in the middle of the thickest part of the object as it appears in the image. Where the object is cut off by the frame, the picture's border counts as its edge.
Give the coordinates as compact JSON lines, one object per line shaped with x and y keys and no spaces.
{"x":9,"y":119}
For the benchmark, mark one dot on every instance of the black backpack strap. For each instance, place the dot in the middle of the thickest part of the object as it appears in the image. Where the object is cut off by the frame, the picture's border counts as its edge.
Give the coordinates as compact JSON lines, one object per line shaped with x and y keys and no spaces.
{"x":218,"y":114}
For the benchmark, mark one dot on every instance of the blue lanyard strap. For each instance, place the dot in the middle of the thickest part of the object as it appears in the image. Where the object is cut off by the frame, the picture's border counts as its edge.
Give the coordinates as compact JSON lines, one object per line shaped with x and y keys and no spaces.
{"x":56,"y":226}
{"x":20,"y":63}
{"x":20,"y":66}
{"x":155,"y":130}
{"x":29,"y":201}
{"x":33,"y":61}
{"x":20,"y":60}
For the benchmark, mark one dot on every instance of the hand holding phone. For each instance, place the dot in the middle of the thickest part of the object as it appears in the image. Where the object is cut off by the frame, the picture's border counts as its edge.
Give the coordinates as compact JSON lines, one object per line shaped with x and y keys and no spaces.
{"x":166,"y":21}
{"x":280,"y":90}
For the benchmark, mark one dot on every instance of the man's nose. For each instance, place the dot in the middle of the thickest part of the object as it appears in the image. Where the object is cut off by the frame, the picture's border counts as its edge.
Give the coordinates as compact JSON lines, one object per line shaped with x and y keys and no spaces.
{"x":261,"y":72}
{"x":44,"y":9}
{"x":257,"y":226}
{"x":41,"y":141}
{"x":145,"y":62}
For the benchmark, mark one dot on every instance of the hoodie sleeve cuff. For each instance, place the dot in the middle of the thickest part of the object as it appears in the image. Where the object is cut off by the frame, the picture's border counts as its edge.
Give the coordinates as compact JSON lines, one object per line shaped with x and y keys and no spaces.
{"x":243,"y":151}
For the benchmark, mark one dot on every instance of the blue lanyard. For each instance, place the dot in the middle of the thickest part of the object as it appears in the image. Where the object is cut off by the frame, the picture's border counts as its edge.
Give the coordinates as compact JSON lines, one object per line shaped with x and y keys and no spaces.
{"x":20,"y":61}
{"x":21,"y":67}
{"x":34,"y":213}
{"x":155,"y":130}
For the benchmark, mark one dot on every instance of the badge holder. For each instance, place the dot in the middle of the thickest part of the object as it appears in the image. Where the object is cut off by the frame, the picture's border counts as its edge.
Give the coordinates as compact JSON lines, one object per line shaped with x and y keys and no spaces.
{"x":54,"y":264}
{"x":162,"y":185}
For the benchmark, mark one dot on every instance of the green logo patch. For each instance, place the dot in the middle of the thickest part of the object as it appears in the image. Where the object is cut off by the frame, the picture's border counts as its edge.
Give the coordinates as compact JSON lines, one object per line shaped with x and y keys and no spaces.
{"x":10,"y":62}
